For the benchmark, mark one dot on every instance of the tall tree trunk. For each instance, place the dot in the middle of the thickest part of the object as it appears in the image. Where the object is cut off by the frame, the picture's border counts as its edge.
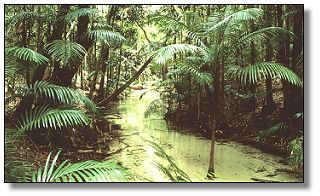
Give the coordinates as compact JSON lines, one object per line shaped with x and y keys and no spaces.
{"x":58,"y":29}
{"x":104,"y":63}
{"x":269,"y":98}
{"x":295,"y":93}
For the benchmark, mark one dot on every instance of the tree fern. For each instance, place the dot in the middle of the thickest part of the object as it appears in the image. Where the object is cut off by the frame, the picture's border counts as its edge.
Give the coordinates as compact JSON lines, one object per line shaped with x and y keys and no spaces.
{"x":26,"y":54}
{"x":254,"y":73}
{"x":59,"y":93}
{"x":45,"y":117}
{"x":66,"y":52}
{"x":88,"y":171}
{"x":72,"y":16}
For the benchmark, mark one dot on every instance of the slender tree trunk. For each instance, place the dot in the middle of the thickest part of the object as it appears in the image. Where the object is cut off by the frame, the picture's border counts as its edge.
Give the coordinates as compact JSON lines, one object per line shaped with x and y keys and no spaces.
{"x":269,"y":98}
{"x":296,"y":93}
{"x":104,"y":62}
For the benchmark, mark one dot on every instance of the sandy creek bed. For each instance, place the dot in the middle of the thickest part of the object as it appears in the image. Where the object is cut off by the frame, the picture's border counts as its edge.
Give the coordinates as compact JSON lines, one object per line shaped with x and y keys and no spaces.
{"x":234,"y":162}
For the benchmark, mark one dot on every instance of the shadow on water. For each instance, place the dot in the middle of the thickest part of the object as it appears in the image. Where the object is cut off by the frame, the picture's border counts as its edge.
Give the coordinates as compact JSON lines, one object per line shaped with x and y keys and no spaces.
{"x":234,"y":162}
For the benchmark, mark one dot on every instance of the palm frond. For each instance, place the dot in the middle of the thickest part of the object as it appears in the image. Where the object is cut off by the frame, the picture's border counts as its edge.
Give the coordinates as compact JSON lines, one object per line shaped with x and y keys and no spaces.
{"x":24,"y":16}
{"x":110,"y":37}
{"x":253,"y":73}
{"x":201,"y":77}
{"x":45,"y":117}
{"x":167,"y":53}
{"x":66,"y":52}
{"x":59,"y":93}
{"x":275,"y":129}
{"x":88,"y":171}
{"x":155,"y":107}
{"x":262,"y":35}
{"x":26,"y":54}
{"x":242,"y":15}
{"x":72,"y":16}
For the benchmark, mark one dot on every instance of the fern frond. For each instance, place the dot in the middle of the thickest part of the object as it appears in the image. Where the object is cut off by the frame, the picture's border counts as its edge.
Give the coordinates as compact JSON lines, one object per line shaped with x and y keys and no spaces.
{"x":108,"y":36}
{"x":59,"y":93}
{"x":72,"y":16}
{"x":26,"y":54}
{"x":88,"y":171}
{"x":45,"y":117}
{"x":253,"y":73}
{"x":66,"y":52}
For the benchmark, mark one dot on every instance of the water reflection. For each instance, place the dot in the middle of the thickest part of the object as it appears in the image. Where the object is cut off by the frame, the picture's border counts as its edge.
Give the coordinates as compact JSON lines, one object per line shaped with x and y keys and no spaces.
{"x":234,"y":162}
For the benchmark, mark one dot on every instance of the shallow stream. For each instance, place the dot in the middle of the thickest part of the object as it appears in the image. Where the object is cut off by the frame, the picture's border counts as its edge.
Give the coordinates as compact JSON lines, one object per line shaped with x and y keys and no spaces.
{"x":234,"y":162}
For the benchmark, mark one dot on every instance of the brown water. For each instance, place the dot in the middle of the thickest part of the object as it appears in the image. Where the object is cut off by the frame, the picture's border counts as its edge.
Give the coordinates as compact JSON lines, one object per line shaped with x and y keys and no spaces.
{"x":234,"y":162}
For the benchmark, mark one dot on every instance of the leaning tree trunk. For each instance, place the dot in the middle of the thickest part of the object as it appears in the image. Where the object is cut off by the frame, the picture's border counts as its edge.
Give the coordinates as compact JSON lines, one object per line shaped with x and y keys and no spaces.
{"x":133,"y":78}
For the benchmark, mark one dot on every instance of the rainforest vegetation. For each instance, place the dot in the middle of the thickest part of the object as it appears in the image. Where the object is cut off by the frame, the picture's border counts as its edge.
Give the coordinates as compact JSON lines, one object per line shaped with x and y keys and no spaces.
{"x":118,"y":93}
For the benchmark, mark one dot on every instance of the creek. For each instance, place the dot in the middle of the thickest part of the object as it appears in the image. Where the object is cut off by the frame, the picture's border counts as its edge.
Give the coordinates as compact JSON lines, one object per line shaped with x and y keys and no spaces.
{"x":234,"y":162}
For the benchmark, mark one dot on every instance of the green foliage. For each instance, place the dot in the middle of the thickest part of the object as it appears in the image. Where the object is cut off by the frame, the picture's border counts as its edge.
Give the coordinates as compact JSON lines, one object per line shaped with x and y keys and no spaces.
{"x":261,"y":36}
{"x":17,"y":166}
{"x":72,"y":16}
{"x":59,"y":93}
{"x":254,"y":73}
{"x":172,"y":171}
{"x":66,"y":52}
{"x":88,"y":171}
{"x":26,"y":54}
{"x":156,"y":106}
{"x":295,"y":148}
{"x":24,"y":16}
{"x":218,"y":22}
{"x":201,"y":77}
{"x":45,"y":117}
{"x":113,"y":38}
{"x":167,"y":53}
{"x":275,"y":129}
